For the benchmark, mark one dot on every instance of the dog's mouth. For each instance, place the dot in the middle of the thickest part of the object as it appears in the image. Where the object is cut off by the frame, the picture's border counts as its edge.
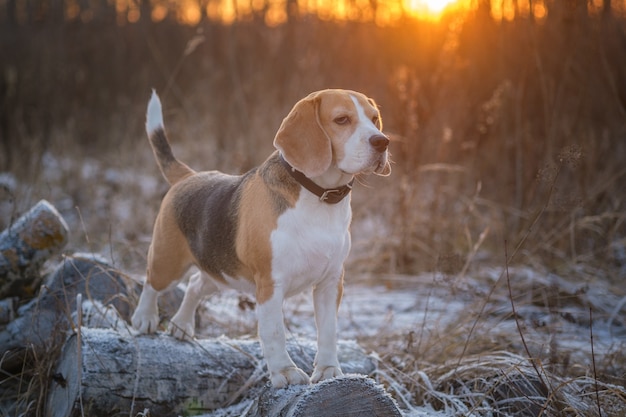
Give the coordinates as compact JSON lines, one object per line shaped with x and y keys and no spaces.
{"x":378,"y":164}
{"x":382,"y":166}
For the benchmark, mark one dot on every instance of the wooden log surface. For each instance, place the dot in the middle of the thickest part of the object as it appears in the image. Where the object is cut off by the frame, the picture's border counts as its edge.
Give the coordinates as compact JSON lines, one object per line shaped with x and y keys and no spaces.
{"x":44,"y":322}
{"x":103,"y":372}
{"x":7,"y":310}
{"x":26,"y":245}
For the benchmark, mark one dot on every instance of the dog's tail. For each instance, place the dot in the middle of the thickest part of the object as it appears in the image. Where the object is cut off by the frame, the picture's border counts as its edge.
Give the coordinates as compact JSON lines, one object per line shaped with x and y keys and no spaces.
{"x":172,"y":169}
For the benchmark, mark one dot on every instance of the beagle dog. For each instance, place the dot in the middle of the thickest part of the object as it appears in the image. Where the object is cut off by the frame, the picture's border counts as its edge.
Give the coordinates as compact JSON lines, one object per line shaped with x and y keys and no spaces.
{"x":275,"y":231}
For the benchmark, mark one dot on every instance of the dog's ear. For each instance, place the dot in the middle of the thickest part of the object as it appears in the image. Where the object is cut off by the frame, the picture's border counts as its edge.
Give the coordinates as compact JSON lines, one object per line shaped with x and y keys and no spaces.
{"x":301,"y":139}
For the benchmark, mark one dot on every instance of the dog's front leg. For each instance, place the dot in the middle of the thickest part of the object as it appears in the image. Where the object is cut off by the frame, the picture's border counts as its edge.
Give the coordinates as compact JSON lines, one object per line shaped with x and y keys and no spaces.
{"x":283,"y":371}
{"x":326,"y":299}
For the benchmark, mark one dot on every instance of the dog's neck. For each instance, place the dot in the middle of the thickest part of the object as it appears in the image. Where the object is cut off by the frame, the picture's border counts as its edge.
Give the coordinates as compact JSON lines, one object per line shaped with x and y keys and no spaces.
{"x":333,"y":178}
{"x":329,"y":187}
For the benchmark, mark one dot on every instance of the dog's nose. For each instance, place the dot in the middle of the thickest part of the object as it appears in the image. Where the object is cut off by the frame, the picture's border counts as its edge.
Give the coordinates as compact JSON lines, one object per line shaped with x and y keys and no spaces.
{"x":379,"y":142}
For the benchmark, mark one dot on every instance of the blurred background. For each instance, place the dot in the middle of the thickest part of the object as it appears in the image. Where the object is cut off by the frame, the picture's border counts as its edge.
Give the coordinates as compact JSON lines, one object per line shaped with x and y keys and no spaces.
{"x":508,"y":118}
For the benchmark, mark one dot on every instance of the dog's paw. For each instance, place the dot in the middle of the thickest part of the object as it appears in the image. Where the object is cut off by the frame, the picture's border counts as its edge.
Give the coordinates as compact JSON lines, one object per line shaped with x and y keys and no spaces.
{"x":289,"y":376}
{"x":325,"y":372}
{"x":180,"y":329}
{"x":145,"y":323}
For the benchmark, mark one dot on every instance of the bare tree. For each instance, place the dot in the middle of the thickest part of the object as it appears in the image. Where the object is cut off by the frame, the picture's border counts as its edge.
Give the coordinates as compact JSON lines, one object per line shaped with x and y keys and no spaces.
{"x":606,"y":9}
{"x":11,"y":12}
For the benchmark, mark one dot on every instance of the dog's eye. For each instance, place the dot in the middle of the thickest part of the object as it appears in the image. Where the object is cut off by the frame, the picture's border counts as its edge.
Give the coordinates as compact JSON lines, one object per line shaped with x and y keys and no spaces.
{"x":342,"y":120}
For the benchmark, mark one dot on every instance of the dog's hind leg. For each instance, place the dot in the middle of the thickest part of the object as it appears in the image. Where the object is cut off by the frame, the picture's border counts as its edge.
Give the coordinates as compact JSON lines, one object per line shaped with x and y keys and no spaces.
{"x":182,"y":326}
{"x":169,"y":258}
{"x":146,"y":316}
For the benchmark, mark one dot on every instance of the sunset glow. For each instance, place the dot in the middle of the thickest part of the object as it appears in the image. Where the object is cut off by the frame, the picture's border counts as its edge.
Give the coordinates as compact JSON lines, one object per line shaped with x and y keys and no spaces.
{"x":429,"y":9}
{"x":275,"y":12}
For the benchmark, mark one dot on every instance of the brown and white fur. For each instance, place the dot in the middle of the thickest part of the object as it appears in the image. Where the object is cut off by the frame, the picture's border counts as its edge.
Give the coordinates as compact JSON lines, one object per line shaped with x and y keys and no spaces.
{"x":262,"y":231}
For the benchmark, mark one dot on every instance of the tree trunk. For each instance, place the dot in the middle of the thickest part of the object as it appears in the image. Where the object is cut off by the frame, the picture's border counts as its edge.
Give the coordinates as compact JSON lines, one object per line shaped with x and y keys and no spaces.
{"x":106,"y":372}
{"x":606,"y":9}
{"x":26,"y":245}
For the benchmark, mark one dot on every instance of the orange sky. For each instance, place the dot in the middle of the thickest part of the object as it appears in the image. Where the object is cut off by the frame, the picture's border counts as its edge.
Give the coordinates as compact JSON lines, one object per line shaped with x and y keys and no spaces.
{"x":388,"y":11}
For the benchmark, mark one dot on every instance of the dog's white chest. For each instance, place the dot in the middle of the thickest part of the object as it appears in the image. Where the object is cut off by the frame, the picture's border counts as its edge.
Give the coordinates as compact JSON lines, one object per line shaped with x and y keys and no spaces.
{"x":310,"y":244}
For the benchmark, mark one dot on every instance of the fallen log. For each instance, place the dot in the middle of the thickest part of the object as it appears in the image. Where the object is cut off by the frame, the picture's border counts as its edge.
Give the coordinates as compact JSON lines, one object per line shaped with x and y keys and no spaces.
{"x":7,"y":310}
{"x":104,"y":372}
{"x":26,"y":245}
{"x":43,"y":324}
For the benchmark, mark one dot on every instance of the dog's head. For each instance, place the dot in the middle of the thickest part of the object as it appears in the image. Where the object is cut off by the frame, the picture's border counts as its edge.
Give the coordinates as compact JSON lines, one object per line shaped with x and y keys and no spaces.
{"x":334,"y":128}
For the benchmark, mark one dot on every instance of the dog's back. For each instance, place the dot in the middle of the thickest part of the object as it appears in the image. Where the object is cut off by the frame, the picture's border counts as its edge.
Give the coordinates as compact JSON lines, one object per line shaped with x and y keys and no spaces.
{"x":206,"y":209}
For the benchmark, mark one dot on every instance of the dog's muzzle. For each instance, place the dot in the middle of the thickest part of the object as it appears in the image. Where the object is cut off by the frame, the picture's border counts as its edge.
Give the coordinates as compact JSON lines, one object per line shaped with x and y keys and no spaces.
{"x":380,"y":143}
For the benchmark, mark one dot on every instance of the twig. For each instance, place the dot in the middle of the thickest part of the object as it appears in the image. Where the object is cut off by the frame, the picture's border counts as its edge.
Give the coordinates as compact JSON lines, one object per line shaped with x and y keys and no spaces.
{"x":517,"y":324}
{"x":82,"y":224}
{"x":593,"y":362}
{"x":191,"y":46}
{"x":79,"y":347}
{"x":614,"y":313}
{"x":423,"y":328}
{"x":473,"y":252}
{"x":517,"y":248}
{"x":480,"y":314}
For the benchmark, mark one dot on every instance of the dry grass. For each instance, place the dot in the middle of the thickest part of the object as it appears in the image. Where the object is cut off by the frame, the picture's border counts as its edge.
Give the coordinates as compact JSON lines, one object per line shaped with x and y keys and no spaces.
{"x":486,"y":360}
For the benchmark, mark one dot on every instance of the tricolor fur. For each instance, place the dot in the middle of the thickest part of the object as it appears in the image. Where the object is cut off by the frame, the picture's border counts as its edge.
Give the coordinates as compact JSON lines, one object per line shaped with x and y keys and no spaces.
{"x":263,"y":231}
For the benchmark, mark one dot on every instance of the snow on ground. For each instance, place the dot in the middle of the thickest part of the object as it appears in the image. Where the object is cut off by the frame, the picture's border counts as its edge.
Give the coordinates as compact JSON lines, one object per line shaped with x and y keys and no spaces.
{"x":423,"y":303}
{"x":365,"y":311}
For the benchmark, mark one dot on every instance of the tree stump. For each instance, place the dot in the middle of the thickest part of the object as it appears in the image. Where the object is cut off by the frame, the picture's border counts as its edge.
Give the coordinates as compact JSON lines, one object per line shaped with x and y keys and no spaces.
{"x":26,"y":245}
{"x":104,"y":372}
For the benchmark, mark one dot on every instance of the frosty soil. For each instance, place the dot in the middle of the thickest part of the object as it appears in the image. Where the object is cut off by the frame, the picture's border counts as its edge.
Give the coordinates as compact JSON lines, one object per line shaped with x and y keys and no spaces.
{"x":425,"y":305}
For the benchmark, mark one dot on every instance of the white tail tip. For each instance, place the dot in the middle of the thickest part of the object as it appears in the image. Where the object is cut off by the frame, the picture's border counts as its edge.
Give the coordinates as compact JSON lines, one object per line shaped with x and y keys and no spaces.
{"x":154,"y":114}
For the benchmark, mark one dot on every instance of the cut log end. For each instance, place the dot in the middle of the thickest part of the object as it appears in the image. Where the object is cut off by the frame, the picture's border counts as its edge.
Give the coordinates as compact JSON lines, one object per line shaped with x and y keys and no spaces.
{"x":345,"y":396}
{"x":26,"y":245}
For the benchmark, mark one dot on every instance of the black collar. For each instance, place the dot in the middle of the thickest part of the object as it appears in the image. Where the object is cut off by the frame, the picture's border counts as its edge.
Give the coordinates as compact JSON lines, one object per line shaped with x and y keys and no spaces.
{"x":326,"y":195}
